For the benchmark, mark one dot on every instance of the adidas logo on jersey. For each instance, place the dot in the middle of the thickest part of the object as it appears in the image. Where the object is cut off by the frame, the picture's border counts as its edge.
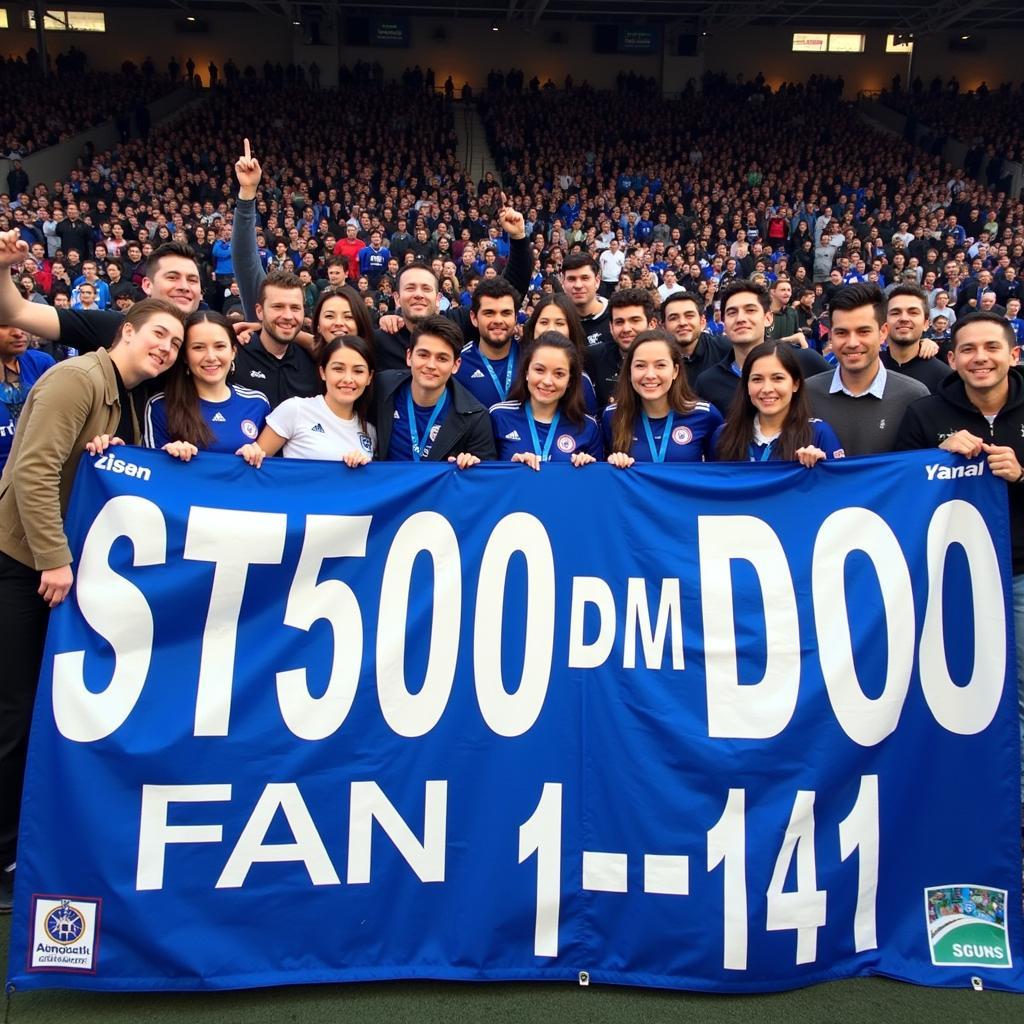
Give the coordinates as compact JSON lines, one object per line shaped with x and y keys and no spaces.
{"x":218,"y":418}
{"x":514,"y":436}
{"x":317,"y":429}
{"x":477,"y":375}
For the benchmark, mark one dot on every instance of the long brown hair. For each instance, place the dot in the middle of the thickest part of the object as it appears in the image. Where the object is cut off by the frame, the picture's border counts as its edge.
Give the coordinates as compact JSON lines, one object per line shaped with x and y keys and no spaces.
{"x":738,"y":434}
{"x":181,"y":400}
{"x":628,"y":406}
{"x":564,"y":303}
{"x":571,"y":404}
{"x":361,"y":315}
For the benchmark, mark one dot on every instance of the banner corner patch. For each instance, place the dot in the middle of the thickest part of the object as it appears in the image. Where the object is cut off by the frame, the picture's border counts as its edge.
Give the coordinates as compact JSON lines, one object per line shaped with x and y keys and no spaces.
{"x":967,"y":926}
{"x":64,"y":933}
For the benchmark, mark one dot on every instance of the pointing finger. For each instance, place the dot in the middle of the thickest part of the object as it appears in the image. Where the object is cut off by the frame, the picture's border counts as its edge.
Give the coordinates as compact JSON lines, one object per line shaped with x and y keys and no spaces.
{"x":247,"y":151}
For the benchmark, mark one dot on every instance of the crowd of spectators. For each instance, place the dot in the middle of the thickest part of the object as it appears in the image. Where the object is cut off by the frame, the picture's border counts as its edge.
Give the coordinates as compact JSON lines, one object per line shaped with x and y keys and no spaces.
{"x":368,"y":158}
{"x":756,"y":182}
{"x":40,"y":113}
{"x":733,"y":180}
{"x":990,"y":122}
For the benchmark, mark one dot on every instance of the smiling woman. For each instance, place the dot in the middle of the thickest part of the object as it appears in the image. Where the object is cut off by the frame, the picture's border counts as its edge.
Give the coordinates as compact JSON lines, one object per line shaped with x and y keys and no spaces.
{"x":770,"y":418}
{"x":199,"y":409}
{"x":332,"y":426}
{"x":656,"y":417}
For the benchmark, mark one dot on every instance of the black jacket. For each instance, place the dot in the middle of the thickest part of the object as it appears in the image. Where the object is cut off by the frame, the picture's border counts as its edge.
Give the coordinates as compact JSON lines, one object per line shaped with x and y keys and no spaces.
{"x":466,"y":426}
{"x":710,"y":349}
{"x":929,"y":421}
{"x":603,"y":363}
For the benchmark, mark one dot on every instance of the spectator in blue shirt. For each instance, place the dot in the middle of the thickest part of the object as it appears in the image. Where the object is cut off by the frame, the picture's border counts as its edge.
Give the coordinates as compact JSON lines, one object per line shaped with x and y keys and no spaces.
{"x":1013,"y":315}
{"x":90,"y":275}
{"x":223,"y":268}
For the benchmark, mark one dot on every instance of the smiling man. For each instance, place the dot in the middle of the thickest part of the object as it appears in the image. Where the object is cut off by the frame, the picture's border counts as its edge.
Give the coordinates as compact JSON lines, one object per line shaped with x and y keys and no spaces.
{"x":487,"y":367}
{"x":630,"y":311}
{"x":71,"y":404}
{"x":907,"y":319}
{"x":416,"y":289}
{"x":862,"y":401}
{"x":683,"y":316}
{"x":272,"y":362}
{"x":422,"y":413}
{"x":170,"y":273}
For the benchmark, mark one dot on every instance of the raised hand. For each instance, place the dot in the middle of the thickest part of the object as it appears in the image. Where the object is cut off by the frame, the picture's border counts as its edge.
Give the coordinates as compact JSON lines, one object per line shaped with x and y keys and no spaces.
{"x":13,"y":249}
{"x":248,"y":172}
{"x":511,"y":220}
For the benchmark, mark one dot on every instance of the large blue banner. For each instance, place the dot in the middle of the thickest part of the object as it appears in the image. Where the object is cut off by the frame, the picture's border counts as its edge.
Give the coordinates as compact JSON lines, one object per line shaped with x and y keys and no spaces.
{"x":713,"y":727}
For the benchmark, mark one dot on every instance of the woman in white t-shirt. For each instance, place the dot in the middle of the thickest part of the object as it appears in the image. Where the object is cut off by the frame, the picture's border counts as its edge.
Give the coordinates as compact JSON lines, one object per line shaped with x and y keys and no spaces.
{"x":333,"y":426}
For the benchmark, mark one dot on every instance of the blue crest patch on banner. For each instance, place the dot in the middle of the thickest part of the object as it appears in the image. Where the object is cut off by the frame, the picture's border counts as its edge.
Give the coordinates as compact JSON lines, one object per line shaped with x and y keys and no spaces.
{"x":721,"y":728}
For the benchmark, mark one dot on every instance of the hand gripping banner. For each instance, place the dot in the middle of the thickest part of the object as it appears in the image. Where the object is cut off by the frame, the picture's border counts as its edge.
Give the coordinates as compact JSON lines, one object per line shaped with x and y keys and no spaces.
{"x":726,"y":728}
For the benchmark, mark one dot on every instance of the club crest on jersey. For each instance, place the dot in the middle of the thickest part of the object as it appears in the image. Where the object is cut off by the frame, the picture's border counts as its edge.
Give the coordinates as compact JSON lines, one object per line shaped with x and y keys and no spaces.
{"x":249,"y":428}
{"x":366,"y":443}
{"x":566,"y":443}
{"x":682,"y":435}
{"x":434,"y":431}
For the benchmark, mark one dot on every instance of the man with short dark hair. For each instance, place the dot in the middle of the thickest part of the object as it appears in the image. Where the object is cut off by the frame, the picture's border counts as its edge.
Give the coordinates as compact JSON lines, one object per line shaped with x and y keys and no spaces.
{"x":272,"y":362}
{"x":487,"y":367}
{"x":682,"y":314}
{"x":423,"y":413}
{"x":73,"y":232}
{"x":785,"y":325}
{"x":581,"y":277}
{"x":630,"y":311}
{"x":907,"y":318}
{"x":337,"y":270}
{"x":861,"y":400}
{"x":671,"y":285}
{"x":373,"y":260}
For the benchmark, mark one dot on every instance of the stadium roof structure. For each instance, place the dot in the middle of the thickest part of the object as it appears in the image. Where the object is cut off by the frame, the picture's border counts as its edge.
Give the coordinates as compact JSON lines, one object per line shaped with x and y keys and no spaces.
{"x":920,"y":17}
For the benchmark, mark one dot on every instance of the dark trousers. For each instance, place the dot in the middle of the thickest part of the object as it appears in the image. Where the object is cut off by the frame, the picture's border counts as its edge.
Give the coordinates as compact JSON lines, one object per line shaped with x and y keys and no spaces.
{"x":23,"y":618}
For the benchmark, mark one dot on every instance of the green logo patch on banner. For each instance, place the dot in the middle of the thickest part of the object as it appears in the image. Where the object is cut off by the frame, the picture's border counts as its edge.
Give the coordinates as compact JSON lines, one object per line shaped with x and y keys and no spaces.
{"x":967,"y":926}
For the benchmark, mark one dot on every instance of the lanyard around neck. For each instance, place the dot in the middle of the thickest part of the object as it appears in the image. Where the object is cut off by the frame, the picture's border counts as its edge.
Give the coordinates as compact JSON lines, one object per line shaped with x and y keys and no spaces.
{"x":658,"y":454}
{"x":510,"y":368}
{"x":414,"y":437}
{"x":536,"y":438}
{"x":764,"y":455}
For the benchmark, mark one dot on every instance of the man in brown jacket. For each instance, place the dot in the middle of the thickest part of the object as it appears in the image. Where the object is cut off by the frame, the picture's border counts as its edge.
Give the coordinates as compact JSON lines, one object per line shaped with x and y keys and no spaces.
{"x":79,"y":401}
